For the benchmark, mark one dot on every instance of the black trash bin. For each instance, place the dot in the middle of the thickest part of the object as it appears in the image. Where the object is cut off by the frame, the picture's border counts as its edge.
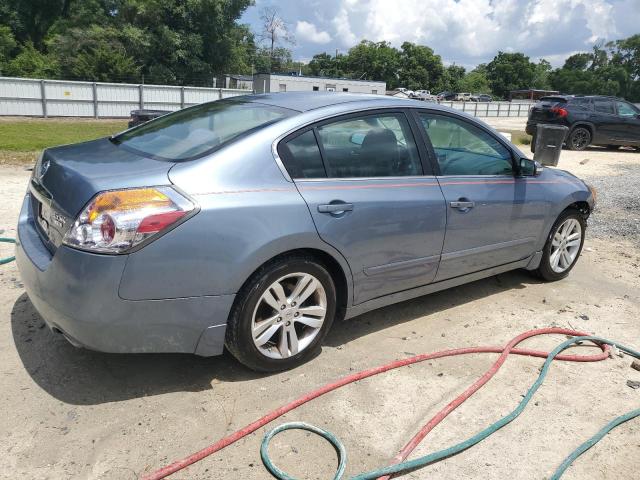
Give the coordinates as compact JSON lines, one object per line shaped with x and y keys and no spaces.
{"x":547,"y":143}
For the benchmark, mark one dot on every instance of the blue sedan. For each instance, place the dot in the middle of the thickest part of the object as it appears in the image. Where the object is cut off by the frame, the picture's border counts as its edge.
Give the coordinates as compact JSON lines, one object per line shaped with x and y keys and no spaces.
{"x":253,"y":223}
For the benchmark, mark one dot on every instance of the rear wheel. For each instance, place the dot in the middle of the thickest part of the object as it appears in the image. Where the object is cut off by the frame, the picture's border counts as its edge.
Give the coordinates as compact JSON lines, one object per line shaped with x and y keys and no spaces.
{"x":563,"y":246}
{"x":579,"y":138}
{"x":282,"y":315}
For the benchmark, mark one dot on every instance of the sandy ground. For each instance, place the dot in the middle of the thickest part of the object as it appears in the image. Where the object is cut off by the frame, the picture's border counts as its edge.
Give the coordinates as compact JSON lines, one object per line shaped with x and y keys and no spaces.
{"x":69,"y":413}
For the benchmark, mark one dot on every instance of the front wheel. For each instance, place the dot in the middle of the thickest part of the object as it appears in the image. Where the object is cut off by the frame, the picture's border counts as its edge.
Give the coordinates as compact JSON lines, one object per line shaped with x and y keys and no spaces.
{"x":579,"y":138}
{"x":563,"y":246}
{"x":282,"y":315}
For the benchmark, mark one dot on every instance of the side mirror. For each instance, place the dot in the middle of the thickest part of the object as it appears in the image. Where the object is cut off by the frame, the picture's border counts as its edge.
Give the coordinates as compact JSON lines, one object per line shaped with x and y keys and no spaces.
{"x":530,"y":168}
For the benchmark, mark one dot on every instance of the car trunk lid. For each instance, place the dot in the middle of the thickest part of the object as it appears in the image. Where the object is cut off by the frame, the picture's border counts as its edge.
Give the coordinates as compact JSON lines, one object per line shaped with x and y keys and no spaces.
{"x":67,"y":177}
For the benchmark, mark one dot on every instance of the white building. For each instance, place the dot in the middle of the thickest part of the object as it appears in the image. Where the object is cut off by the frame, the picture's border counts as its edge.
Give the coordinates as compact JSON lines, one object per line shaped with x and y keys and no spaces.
{"x":271,"y":83}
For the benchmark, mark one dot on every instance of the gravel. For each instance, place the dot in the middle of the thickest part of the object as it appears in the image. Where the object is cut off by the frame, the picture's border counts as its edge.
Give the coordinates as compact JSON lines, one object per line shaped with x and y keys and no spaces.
{"x":617,"y":211}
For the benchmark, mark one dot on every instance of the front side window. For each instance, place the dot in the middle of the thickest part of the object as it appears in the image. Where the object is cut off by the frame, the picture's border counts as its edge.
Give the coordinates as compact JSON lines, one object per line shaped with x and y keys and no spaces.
{"x":627,"y":110}
{"x":379,"y":145}
{"x":462,"y":148}
{"x":195,"y":131}
{"x":603,"y":106}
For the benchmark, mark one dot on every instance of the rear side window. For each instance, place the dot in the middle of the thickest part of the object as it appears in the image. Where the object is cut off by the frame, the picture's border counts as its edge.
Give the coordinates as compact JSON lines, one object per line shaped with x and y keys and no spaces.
{"x":584,"y":103}
{"x":301,"y":156}
{"x":464,"y":149}
{"x":380,"y":145}
{"x":603,"y":106}
{"x":198,"y":130}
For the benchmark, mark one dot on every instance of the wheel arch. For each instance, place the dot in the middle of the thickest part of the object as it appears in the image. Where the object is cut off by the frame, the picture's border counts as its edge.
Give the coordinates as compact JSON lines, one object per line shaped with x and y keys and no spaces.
{"x":335,"y":264}
{"x":588,"y":125}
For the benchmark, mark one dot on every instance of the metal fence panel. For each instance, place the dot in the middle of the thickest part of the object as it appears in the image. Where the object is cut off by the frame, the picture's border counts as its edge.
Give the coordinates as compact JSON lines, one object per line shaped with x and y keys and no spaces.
{"x":43,"y":98}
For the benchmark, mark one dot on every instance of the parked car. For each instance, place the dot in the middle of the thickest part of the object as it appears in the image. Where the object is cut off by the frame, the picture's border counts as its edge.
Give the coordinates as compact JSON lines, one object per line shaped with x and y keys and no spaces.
{"x":424,"y":95}
{"x":255,"y":222}
{"x":481,"y":97}
{"x":447,"y":96}
{"x":592,"y":120}
{"x":463,"y":97}
{"x":141,"y":116}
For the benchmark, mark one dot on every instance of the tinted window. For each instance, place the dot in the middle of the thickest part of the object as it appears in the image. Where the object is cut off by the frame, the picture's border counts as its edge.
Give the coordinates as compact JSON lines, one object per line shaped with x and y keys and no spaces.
{"x":626,"y":109}
{"x":370,"y":146}
{"x":197,"y":130}
{"x":603,"y":106}
{"x":301,"y":156}
{"x":464,"y":149}
{"x":584,"y":103}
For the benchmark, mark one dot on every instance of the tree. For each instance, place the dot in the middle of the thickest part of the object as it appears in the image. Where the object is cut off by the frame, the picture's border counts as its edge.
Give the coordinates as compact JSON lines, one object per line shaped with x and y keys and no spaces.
{"x":420,"y":67}
{"x":374,"y":61}
{"x":451,"y":80}
{"x":7,"y":45}
{"x":274,"y":30}
{"x":510,"y":71}
{"x":476,"y":80}
{"x":31,"y":63}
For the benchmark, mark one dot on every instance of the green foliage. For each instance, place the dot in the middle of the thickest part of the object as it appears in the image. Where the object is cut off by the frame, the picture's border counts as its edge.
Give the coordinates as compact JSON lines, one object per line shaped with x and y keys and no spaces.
{"x":7,"y":45}
{"x":420,"y":67}
{"x":475,"y":82}
{"x":510,"y":71}
{"x":374,"y":61}
{"x":31,"y":63}
{"x":451,"y":80}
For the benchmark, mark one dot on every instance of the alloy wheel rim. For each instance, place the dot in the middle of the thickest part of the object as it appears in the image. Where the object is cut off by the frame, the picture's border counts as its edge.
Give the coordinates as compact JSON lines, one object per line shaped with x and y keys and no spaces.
{"x":565,"y":245}
{"x":580,"y":139}
{"x":289,"y":315}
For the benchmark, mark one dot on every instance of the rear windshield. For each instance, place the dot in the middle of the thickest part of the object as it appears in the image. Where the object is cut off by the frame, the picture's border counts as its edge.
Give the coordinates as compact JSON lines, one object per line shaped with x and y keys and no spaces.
{"x":553,"y":100}
{"x":195,"y":131}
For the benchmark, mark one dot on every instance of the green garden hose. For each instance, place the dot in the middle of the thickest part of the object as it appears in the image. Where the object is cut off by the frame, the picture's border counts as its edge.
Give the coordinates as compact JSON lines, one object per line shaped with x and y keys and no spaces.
{"x":7,"y":259}
{"x":471,"y":441}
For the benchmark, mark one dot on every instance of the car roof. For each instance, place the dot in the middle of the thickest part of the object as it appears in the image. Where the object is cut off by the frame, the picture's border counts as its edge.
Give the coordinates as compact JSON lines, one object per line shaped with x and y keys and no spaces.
{"x":306,"y":101}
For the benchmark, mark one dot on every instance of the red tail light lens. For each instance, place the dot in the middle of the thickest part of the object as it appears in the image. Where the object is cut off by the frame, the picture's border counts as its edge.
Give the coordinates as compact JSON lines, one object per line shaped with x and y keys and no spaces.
{"x":560,"y":112}
{"x":118,"y":220}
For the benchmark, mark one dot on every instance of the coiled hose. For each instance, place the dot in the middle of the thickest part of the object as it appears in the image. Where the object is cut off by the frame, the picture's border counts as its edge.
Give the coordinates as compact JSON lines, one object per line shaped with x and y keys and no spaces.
{"x":398,"y":465}
{"x":7,"y":259}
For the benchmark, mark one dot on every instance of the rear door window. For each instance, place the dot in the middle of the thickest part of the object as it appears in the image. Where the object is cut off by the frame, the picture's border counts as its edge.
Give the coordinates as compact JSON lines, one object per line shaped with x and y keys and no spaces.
{"x":464,"y":149}
{"x":379,"y":145}
{"x":604,"y":106}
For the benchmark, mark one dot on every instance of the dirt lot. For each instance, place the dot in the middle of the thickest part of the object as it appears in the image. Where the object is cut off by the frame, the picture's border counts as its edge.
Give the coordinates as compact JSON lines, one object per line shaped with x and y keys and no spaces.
{"x":71,"y":413}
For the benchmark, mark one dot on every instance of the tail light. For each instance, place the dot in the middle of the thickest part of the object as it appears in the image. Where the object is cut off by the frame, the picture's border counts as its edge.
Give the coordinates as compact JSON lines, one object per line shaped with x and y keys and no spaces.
{"x":560,"y":112}
{"x":119,"y":220}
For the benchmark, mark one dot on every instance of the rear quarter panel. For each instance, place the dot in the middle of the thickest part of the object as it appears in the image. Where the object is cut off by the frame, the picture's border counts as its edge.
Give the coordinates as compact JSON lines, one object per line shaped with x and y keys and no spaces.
{"x":249,"y":213}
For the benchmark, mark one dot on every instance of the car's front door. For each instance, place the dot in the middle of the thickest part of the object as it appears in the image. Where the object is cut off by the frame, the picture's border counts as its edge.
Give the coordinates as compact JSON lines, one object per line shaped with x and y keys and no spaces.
{"x":493,"y":216}
{"x":609,"y":127}
{"x":630,"y":116}
{"x":363,"y":179}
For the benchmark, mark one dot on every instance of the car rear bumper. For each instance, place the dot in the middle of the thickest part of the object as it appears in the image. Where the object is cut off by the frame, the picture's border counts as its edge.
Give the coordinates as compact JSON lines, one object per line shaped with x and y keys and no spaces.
{"x":76,"y":293}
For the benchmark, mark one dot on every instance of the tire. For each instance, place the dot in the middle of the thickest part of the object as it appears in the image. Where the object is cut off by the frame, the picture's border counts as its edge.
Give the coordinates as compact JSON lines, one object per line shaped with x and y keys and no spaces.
{"x":270,"y":351}
{"x":579,"y":138}
{"x":549,"y":270}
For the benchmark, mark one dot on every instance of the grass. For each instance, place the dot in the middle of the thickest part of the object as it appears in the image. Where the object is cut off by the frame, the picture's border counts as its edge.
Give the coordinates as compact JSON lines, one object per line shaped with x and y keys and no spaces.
{"x":21,"y":140}
{"x":519,"y":137}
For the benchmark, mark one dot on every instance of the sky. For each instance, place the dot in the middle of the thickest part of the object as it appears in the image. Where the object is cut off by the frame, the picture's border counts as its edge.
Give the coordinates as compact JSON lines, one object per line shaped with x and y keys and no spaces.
{"x":464,"y":32}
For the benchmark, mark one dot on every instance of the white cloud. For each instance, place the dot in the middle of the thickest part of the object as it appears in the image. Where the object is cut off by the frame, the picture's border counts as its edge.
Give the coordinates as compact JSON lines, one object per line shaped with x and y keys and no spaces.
{"x":343,"y":27}
{"x":309,"y":32}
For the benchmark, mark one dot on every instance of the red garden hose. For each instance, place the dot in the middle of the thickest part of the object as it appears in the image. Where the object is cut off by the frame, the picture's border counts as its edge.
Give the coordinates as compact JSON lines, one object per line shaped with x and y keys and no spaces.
{"x":504,"y":353}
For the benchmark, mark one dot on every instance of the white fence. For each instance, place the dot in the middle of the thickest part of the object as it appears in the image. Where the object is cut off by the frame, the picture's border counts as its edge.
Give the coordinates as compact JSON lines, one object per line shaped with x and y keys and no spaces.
{"x":492,"y":109}
{"x":59,"y":98}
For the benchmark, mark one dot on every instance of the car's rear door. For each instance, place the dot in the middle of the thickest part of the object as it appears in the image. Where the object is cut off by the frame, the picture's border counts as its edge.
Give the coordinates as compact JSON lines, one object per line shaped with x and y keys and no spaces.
{"x":363,"y":177}
{"x":493,"y":217}
{"x":630,"y":115}
{"x":609,"y":127}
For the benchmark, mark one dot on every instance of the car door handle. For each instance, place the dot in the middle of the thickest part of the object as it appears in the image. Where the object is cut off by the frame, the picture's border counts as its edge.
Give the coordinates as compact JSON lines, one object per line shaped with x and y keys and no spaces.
{"x":335,"y":208}
{"x":462,"y":205}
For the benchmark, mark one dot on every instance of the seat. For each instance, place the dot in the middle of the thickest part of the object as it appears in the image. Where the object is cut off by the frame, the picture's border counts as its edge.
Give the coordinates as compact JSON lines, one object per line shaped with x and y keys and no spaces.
{"x":379,"y":153}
